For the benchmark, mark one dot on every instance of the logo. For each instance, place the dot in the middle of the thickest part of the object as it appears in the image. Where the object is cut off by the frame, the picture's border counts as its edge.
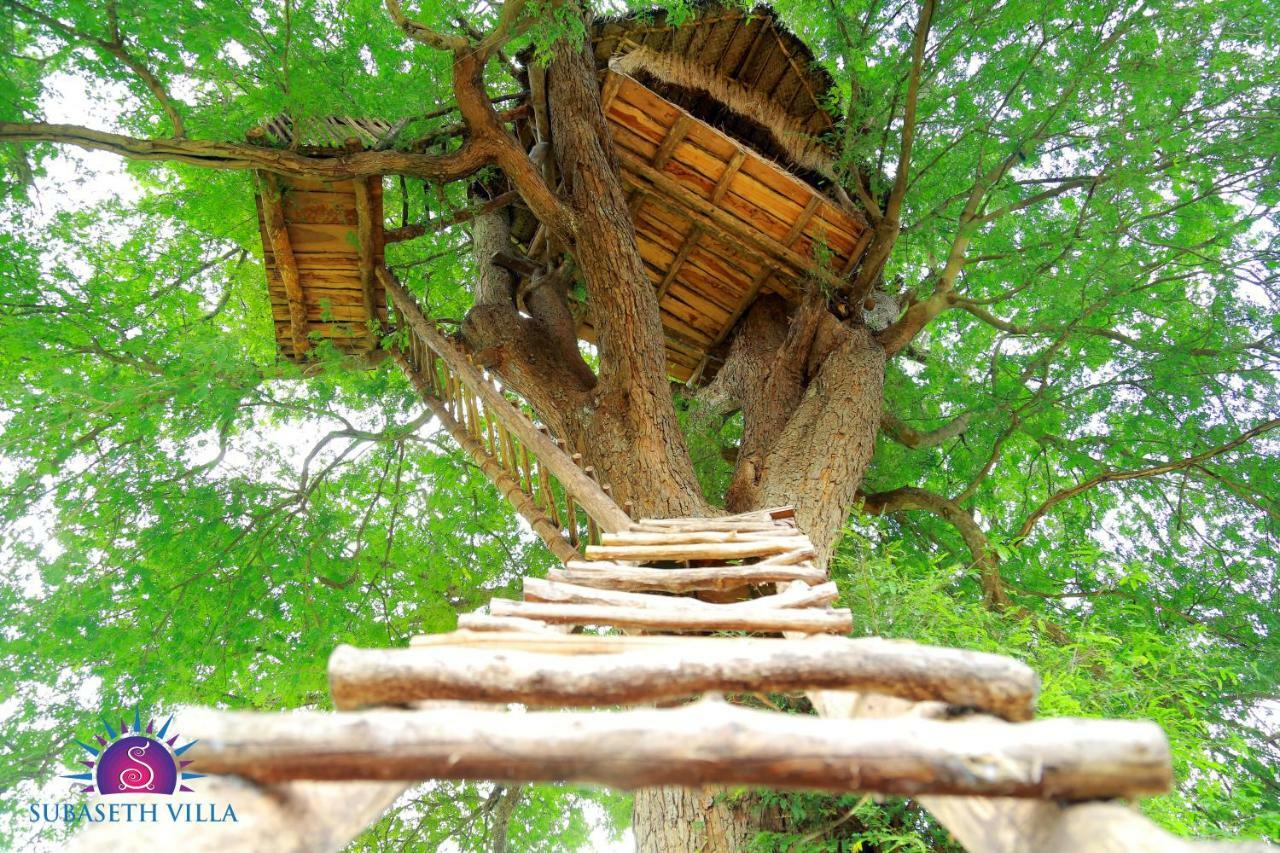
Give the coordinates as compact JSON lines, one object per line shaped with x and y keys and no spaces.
{"x":141,"y":761}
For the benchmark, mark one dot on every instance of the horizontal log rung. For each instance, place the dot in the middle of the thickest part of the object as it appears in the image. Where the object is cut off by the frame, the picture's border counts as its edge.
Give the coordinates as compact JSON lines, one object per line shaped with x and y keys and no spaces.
{"x":561,"y":592}
{"x":707,"y":551}
{"x":700,"y":537}
{"x":675,"y":619}
{"x":701,"y":744}
{"x":640,"y":578}
{"x":991,"y":683}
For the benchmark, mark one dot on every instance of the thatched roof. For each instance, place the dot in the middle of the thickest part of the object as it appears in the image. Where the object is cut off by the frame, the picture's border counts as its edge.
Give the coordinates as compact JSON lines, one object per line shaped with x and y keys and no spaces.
{"x":320,"y":135}
{"x":741,"y":71}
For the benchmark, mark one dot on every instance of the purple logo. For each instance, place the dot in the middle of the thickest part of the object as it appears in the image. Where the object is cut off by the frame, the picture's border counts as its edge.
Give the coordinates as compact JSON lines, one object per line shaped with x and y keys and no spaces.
{"x":137,"y":762}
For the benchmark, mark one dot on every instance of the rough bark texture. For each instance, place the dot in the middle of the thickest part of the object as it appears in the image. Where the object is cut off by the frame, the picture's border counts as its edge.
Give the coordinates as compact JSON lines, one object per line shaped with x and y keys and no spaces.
{"x":666,"y":820}
{"x":535,"y":351}
{"x":809,"y":388}
{"x":633,"y":419}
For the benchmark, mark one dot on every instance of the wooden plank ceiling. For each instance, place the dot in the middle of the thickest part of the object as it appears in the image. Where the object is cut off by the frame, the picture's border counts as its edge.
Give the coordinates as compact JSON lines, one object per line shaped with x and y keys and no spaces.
{"x":717,"y":224}
{"x":320,"y":263}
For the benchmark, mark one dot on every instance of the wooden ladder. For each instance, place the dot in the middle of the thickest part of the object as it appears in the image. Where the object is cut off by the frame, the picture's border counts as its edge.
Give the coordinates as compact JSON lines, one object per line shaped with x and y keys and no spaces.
{"x":642,"y":635}
{"x":538,"y":474}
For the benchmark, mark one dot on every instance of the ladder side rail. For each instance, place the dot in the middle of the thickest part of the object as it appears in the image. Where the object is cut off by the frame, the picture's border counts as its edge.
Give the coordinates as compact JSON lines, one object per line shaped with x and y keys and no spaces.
{"x":586,"y":492}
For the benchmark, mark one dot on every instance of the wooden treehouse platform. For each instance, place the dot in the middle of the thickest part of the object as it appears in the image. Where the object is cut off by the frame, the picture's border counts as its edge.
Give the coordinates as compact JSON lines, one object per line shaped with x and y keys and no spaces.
{"x":717,"y":223}
{"x":322,"y":241}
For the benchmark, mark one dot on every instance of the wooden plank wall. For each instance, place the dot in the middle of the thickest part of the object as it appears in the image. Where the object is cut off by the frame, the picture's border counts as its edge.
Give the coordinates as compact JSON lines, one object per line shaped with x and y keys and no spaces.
{"x":322,"y":225}
{"x":717,"y":224}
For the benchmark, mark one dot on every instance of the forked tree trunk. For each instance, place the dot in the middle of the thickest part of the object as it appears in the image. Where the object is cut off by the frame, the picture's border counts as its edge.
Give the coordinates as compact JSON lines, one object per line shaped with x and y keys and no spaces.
{"x":809,"y":388}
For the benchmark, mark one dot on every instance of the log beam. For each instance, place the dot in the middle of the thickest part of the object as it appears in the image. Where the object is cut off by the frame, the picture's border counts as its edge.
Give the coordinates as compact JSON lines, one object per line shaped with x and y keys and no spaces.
{"x":724,"y":619}
{"x":733,"y":550}
{"x":706,"y":743}
{"x":991,"y":683}
{"x":365,"y":249}
{"x":556,"y":591}
{"x":269,"y":192}
{"x":640,"y":578}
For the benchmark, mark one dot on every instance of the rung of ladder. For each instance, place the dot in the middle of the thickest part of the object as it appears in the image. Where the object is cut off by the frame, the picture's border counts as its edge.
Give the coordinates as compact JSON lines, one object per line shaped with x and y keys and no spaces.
{"x":700,"y":744}
{"x":991,"y":683}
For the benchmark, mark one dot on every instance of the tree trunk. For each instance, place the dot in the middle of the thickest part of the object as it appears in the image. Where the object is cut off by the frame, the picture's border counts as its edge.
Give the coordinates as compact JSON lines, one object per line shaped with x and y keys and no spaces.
{"x":667,"y":820}
{"x":809,"y":388}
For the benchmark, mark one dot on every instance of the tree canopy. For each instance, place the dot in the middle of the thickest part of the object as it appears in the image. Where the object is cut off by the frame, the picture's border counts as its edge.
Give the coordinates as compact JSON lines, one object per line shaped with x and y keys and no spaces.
{"x":1077,"y":464}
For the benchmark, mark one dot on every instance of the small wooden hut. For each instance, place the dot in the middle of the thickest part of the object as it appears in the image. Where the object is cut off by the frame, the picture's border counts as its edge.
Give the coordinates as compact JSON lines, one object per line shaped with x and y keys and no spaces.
{"x":723,"y":135}
{"x":322,"y":241}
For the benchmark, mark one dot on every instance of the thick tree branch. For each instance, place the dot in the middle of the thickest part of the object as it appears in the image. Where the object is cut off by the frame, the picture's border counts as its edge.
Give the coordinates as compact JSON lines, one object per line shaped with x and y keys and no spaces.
{"x":234,"y":155}
{"x":888,"y":225}
{"x":905,"y":434}
{"x":1045,"y":195}
{"x":984,"y":558}
{"x":977,"y":310}
{"x":921,"y":313}
{"x":423,"y":34}
{"x":1153,"y":471}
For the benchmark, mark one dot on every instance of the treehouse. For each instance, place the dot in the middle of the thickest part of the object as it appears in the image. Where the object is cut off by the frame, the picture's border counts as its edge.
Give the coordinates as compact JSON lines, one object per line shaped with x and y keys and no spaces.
{"x":721,"y":133}
{"x":322,"y":242}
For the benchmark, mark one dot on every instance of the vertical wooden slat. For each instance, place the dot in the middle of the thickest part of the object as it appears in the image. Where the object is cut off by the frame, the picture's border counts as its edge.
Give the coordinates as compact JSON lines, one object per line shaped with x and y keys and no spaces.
{"x":493,"y":443}
{"x":593,"y":534}
{"x":365,"y":247}
{"x":524,"y":465}
{"x":514,"y":458}
{"x":286,"y":266}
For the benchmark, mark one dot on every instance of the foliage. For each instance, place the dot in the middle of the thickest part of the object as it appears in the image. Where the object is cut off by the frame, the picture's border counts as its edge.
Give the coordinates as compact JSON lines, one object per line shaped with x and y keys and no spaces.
{"x":183,"y":520}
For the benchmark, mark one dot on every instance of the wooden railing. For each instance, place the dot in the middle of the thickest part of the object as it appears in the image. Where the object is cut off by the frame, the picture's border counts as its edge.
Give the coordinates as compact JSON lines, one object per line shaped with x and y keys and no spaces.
{"x":542,"y":479}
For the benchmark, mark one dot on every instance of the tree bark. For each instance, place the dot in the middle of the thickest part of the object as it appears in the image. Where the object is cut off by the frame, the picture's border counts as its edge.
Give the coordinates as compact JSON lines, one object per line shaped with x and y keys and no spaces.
{"x":630,"y":432}
{"x":667,"y":820}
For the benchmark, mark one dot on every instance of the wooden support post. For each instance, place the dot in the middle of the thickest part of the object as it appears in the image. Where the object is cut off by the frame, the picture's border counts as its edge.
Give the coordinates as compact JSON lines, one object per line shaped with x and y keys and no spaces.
{"x":365,"y":247}
{"x":286,"y":266}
